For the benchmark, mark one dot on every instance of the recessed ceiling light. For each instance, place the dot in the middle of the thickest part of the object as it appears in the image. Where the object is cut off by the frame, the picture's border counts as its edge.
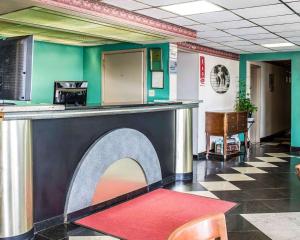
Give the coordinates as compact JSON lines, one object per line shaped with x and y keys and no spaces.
{"x":278,"y":45}
{"x":190,"y":8}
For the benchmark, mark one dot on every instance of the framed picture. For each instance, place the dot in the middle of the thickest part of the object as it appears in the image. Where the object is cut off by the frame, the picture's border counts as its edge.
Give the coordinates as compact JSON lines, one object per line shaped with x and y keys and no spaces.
{"x":156,"y":61}
{"x":157,"y":80}
{"x":220,"y":79}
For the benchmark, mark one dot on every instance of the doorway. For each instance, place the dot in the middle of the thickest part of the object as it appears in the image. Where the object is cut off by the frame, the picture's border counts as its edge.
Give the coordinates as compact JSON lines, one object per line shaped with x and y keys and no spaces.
{"x":255,"y":82}
{"x":123,"y":78}
{"x":270,"y":91}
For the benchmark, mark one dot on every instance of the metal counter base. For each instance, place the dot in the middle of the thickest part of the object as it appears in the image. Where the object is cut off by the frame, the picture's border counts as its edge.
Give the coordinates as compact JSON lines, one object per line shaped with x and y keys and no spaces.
{"x":26,"y":236}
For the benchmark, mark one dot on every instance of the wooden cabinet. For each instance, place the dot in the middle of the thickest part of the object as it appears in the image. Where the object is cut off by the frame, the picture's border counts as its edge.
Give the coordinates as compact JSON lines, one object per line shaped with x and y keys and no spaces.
{"x":225,"y":124}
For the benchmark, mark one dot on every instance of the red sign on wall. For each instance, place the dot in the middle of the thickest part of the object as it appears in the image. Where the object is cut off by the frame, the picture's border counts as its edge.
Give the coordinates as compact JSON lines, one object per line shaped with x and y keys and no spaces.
{"x":202,"y":71}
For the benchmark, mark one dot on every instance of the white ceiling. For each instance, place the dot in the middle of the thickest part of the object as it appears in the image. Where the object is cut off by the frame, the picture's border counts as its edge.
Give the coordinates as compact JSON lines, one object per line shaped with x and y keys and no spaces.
{"x":242,"y":27}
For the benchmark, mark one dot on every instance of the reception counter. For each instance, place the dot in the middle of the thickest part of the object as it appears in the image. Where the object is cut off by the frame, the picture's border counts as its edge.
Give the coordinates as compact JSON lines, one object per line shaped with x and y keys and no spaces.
{"x":59,"y":163}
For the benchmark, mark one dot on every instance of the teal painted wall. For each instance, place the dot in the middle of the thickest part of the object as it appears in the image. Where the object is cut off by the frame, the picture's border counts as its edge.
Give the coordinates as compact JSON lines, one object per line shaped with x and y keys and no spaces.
{"x":92,"y":58}
{"x":295,"y":58}
{"x":52,"y":62}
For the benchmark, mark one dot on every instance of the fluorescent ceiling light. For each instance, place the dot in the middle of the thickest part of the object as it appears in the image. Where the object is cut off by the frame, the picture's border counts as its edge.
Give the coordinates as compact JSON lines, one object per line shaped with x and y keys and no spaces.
{"x":190,"y":8}
{"x":278,"y":45}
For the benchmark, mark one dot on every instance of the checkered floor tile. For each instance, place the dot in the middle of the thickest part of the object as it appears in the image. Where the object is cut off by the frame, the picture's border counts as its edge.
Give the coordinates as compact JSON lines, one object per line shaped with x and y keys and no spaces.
{"x":279,"y":155}
{"x":271,"y":159}
{"x":249,"y":170}
{"x":232,"y":177}
{"x":219,"y":186}
{"x":261,"y":164}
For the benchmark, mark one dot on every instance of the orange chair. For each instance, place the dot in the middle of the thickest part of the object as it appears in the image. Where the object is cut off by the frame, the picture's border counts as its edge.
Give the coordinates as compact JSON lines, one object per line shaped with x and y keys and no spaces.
{"x":205,"y":228}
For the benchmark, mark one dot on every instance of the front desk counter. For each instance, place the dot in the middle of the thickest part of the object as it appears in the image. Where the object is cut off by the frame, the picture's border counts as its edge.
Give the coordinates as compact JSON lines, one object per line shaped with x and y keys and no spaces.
{"x":45,"y":148}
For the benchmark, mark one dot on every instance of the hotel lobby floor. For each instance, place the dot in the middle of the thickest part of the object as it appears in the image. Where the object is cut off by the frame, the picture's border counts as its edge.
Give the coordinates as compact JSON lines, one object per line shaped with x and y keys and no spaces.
{"x":264,"y":185}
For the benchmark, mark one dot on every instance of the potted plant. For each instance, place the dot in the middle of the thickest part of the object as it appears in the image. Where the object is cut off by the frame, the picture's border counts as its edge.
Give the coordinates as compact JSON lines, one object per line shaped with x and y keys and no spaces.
{"x":244,"y":104}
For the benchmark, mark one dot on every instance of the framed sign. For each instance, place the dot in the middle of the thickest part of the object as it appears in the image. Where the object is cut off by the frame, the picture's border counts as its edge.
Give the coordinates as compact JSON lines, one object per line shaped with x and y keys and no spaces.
{"x":157,"y":80}
{"x":156,"y":59}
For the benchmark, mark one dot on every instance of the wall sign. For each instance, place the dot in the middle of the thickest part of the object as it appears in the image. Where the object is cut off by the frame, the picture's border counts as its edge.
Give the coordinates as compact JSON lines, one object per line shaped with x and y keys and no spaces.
{"x":157,"y":80}
{"x":202,"y":71}
{"x":220,"y":79}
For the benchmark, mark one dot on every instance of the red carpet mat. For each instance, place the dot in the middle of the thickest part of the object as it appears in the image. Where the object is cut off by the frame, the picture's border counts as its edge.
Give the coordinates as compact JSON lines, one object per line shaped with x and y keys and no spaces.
{"x":153,"y":216}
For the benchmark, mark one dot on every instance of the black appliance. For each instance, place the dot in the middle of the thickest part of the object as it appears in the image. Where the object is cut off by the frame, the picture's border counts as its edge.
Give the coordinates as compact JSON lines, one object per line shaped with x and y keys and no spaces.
{"x":16,"y":68}
{"x":70,"y":93}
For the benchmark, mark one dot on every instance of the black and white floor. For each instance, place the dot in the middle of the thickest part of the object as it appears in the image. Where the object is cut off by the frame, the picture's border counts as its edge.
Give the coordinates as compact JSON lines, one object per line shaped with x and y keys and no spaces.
{"x":264,"y":186}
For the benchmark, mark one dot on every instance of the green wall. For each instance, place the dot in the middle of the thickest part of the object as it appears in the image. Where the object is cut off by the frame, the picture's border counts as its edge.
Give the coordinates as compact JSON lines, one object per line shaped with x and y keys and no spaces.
{"x":54,"y":62}
{"x":295,"y":58}
{"x":92,"y":58}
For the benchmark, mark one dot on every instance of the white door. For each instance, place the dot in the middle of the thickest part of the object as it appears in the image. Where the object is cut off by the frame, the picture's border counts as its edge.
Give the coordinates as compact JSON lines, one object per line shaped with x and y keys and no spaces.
{"x":123,"y":77}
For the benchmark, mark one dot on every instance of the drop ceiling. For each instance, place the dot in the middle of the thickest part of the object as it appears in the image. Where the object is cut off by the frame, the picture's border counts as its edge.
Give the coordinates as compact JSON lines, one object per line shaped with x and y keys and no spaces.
{"x":242,"y":26}
{"x":83,"y":27}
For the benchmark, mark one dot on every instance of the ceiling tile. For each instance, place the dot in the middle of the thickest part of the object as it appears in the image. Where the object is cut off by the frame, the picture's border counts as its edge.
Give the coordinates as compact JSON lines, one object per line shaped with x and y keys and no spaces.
{"x":254,"y":48}
{"x":201,"y":41}
{"x":213,"y":45}
{"x":126,"y":4}
{"x":259,"y":36}
{"x":223,"y":39}
{"x":277,"y":20}
{"x":295,"y":6}
{"x":246,"y":31}
{"x":238,"y":51}
{"x":212,"y":34}
{"x":232,"y":24}
{"x":288,"y":49}
{"x":263,"y":11}
{"x":269,"y":41}
{"x":156,"y":13}
{"x":294,"y":39}
{"x":201,"y":27}
{"x":226,"y":48}
{"x":162,"y":2}
{"x":212,"y":17}
{"x":290,"y":34}
{"x":182,"y":21}
{"x":238,"y":43}
{"x":234,"y":4}
{"x":284,"y":27}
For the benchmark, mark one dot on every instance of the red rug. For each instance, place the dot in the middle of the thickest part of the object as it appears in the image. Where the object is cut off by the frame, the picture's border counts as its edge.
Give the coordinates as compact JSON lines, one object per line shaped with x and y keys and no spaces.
{"x":153,"y":216}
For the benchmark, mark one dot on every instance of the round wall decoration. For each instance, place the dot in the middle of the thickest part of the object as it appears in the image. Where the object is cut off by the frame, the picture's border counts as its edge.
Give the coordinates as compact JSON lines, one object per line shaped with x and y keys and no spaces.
{"x":220,"y":79}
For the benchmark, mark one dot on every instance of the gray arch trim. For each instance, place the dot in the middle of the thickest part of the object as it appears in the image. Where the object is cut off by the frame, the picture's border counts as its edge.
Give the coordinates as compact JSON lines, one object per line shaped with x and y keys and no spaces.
{"x":116,"y":145}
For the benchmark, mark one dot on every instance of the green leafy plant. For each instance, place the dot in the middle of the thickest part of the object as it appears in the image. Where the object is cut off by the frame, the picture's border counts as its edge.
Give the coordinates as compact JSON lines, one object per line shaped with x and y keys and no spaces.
{"x":244,"y":104}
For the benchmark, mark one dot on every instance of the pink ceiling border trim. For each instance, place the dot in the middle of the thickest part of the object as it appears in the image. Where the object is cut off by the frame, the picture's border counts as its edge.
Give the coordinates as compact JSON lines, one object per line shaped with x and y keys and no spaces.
{"x":207,"y":50}
{"x":107,"y":11}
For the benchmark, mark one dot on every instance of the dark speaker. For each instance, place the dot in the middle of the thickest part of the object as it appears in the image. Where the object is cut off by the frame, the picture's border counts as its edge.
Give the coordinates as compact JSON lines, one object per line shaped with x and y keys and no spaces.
{"x":16,"y":68}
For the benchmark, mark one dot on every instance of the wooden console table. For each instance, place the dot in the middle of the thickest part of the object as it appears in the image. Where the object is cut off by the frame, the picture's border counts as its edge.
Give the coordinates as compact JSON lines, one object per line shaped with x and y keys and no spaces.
{"x":225,"y":124}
